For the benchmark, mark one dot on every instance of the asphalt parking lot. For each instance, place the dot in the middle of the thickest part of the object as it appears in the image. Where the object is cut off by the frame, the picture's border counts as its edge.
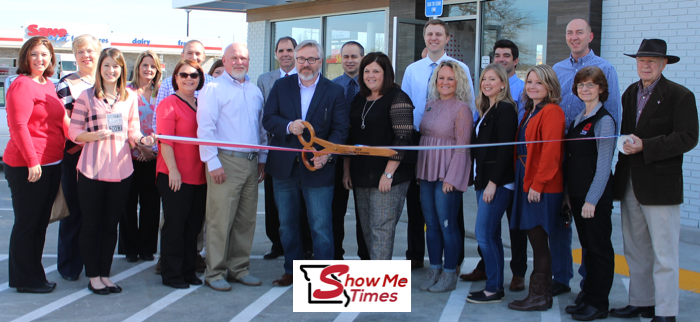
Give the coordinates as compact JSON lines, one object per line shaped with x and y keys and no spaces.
{"x":145,"y":298}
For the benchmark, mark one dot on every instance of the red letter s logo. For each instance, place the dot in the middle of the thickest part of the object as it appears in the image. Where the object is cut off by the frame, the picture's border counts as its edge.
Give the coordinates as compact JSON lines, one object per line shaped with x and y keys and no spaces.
{"x":339,"y":270}
{"x":32,"y":30}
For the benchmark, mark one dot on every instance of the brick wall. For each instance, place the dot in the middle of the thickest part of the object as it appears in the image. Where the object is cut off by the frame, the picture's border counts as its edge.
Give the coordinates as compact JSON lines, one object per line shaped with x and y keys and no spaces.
{"x":259,"y":48}
{"x":625,"y":24}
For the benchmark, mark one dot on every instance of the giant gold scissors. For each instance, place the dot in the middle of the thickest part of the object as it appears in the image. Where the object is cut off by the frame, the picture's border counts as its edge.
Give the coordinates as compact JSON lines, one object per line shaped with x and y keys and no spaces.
{"x":330,"y":147}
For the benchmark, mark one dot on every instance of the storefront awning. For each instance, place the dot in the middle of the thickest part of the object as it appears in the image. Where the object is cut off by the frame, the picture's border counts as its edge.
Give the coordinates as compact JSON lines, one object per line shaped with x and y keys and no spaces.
{"x":229,"y":5}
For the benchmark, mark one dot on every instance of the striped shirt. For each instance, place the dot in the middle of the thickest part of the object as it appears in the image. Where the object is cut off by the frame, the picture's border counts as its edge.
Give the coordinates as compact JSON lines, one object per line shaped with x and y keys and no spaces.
{"x":643,"y":95}
{"x":566,"y":71}
{"x":606,"y":148}
{"x":68,"y":90}
{"x":109,"y":159}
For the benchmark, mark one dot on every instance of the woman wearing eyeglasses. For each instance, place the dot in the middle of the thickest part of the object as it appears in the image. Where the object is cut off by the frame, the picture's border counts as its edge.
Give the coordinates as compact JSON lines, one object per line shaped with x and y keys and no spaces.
{"x":105,"y":118}
{"x":589,"y":182}
{"x":184,"y":192}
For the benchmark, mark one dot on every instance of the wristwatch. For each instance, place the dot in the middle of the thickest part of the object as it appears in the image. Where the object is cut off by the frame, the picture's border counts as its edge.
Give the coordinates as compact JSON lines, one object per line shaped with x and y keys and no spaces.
{"x":389,"y":175}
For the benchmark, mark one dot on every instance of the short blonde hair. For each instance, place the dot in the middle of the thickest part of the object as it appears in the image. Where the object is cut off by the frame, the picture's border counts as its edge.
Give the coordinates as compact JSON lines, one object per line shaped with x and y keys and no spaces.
{"x":482,"y":101}
{"x":550,"y":81}
{"x":86,"y":40}
{"x":463,"y":91}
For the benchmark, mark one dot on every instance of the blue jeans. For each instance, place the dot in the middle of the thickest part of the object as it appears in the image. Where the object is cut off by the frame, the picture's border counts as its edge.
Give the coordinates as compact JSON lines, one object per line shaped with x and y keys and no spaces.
{"x":488,"y":235}
{"x":560,"y":247}
{"x":288,"y":197}
{"x":442,"y":234}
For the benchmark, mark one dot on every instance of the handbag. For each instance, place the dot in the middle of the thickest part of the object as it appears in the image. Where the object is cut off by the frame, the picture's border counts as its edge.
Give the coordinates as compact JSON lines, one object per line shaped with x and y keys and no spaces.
{"x":60,"y":207}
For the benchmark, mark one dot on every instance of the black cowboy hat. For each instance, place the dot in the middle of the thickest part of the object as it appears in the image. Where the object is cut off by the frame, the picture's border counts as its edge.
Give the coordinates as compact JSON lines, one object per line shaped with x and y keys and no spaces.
{"x":654,"y":48}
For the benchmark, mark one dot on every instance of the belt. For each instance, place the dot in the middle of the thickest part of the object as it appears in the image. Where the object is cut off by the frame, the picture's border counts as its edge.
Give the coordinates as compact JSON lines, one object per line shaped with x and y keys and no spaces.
{"x":521,"y":157}
{"x":245,"y":155}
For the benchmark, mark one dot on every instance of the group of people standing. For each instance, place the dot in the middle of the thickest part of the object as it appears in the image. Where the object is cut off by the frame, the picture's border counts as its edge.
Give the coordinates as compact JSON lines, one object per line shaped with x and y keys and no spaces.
{"x":212,"y":192}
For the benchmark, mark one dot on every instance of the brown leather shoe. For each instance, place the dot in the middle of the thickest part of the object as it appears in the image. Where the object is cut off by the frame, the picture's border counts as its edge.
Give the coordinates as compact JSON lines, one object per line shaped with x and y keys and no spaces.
{"x":474,"y":276}
{"x":416,"y":263}
{"x":540,"y":296}
{"x":517,"y":284}
{"x":200,"y":265}
{"x":157,"y":269}
{"x":285,"y":280}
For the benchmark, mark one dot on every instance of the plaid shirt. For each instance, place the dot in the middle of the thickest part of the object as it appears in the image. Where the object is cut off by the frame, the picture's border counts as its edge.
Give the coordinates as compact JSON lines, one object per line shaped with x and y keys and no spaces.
{"x":109,"y":159}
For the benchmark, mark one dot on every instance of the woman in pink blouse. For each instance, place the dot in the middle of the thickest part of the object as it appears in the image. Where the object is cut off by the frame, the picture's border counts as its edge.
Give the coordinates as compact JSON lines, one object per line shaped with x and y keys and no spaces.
{"x":105,"y":118}
{"x":444,"y":174}
{"x":138,"y":230}
{"x":32,"y":159}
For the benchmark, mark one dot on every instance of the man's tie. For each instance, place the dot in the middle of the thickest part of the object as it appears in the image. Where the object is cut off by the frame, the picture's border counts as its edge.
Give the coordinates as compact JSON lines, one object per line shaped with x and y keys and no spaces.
{"x":432,"y":69}
{"x":352,"y":91}
{"x":285,"y":75}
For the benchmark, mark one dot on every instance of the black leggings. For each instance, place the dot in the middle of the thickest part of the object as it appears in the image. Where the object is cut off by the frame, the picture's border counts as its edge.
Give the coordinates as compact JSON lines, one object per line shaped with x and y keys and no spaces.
{"x":102,"y":206}
{"x":542,"y":258}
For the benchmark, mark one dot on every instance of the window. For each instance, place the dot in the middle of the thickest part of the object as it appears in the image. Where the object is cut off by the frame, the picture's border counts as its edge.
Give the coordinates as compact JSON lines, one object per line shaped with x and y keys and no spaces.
{"x":300,"y":30}
{"x":364,"y":28}
{"x":522,"y":21}
{"x":367,"y":28}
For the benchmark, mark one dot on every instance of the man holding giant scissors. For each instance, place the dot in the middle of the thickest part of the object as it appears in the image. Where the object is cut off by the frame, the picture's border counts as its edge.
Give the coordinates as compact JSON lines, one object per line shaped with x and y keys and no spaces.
{"x":310,"y":97}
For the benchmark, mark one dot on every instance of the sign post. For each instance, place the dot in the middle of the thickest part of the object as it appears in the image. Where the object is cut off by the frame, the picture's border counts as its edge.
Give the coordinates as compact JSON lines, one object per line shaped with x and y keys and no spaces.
{"x":433,"y":8}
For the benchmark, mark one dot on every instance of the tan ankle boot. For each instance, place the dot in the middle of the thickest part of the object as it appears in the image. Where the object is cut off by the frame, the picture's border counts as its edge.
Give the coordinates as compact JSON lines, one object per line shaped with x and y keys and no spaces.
{"x":540,"y":296}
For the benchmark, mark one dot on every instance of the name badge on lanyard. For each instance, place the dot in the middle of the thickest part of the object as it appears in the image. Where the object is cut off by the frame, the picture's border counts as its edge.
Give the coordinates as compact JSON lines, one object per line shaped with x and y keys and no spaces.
{"x":115,"y":122}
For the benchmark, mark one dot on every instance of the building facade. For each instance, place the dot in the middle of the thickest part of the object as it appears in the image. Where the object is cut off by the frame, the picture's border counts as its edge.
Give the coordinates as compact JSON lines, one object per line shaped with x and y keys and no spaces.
{"x":536,"y":26}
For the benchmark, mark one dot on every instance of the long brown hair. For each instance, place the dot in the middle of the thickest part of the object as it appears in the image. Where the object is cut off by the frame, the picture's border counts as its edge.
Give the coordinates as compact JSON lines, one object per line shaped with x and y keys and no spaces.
{"x":24,"y":61}
{"x":117,"y":55}
{"x":155,"y":83}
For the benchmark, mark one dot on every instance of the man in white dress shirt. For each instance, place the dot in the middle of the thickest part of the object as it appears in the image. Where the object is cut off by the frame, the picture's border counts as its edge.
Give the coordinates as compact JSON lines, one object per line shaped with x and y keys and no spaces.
{"x":230,"y":109}
{"x":436,"y":34}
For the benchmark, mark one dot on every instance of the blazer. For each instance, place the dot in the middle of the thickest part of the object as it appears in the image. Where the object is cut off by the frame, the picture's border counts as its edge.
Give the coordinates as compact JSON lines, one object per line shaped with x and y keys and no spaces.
{"x":495,"y":163}
{"x":266,"y":81}
{"x":544,"y":168}
{"x":668,"y":127}
{"x":328,"y":113}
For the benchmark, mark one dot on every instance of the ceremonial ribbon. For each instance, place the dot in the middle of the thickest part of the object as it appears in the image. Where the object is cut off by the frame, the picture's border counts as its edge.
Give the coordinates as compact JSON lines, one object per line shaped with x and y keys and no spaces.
{"x":193,"y":141}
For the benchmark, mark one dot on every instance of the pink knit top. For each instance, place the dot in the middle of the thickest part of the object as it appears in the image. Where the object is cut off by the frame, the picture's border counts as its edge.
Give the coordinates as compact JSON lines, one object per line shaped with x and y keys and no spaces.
{"x":447,"y":122}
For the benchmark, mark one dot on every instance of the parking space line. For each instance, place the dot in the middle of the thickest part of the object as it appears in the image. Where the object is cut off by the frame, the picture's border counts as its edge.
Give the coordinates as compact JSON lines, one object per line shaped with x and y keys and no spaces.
{"x":260,"y":304}
{"x":347,"y":317}
{"x":553,"y":314}
{"x":55,"y":305}
{"x":5,"y":286}
{"x":455,"y":304}
{"x":161,"y":304}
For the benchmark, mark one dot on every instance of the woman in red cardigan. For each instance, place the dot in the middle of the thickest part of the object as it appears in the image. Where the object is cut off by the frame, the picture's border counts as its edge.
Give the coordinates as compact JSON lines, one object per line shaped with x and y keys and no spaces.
{"x":539,"y":180}
{"x":37,"y":122}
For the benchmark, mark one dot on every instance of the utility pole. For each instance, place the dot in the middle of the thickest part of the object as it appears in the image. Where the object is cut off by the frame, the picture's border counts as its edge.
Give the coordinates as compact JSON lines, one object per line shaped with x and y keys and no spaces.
{"x":188,"y":21}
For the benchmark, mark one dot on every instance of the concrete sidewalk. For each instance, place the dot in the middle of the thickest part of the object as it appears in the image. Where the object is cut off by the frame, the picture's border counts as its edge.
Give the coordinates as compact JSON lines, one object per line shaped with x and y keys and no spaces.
{"x":144,"y":298}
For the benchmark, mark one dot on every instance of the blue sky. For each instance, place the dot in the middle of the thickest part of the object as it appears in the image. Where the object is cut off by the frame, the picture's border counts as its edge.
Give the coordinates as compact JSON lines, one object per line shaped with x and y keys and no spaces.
{"x":148,"y":17}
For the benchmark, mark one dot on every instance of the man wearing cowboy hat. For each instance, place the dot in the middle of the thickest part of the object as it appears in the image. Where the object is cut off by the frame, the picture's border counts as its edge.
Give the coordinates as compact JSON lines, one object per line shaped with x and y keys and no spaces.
{"x":661,"y":120}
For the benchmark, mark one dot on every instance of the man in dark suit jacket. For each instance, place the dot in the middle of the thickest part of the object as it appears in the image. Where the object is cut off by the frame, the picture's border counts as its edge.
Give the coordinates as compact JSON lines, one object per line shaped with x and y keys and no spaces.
{"x":311,"y":97}
{"x":661,"y":119}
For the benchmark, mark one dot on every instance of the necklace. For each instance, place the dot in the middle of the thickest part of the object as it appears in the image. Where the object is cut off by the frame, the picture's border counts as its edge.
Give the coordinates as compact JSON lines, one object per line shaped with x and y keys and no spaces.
{"x":364,"y":114}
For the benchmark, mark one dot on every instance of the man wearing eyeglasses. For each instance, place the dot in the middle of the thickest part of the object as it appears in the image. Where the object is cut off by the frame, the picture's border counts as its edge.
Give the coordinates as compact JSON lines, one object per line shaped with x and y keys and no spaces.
{"x":578,"y":37}
{"x":313,"y":98}
{"x":230,"y":110}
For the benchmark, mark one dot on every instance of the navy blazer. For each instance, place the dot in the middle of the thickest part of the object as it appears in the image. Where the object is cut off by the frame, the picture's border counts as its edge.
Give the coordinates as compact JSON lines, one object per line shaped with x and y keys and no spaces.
{"x":328,"y":113}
